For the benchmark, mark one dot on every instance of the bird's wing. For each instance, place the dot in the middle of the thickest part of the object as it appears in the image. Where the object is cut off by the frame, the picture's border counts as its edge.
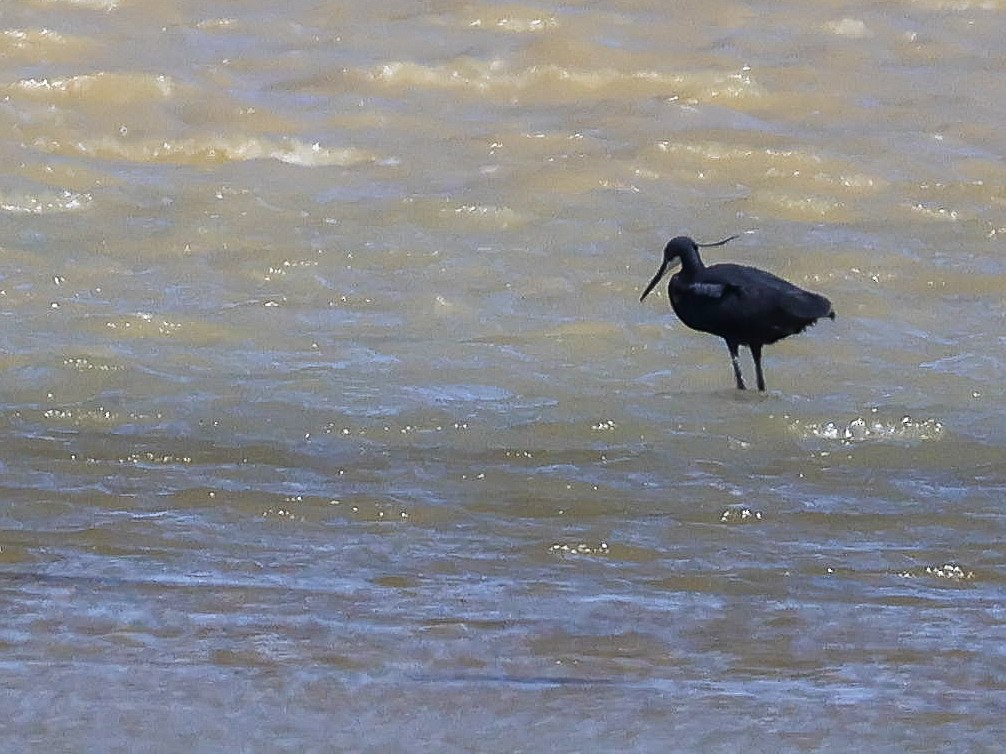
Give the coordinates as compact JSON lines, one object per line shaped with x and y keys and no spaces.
{"x":709,"y":290}
{"x":763,"y":292}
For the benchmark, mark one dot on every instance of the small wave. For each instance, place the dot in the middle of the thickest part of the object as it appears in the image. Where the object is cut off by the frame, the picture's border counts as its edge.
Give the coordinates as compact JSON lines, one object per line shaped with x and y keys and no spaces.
{"x":195,"y":151}
{"x":935,"y":212}
{"x":37,"y":41}
{"x":446,"y":394}
{"x":740,"y":514}
{"x":88,"y":364}
{"x":497,"y":77}
{"x":851,"y":28}
{"x":96,"y":418}
{"x":145,"y":325}
{"x":946,"y":571}
{"x":44,"y":202}
{"x":91,"y":4}
{"x":217,"y":23}
{"x":568,"y":549}
{"x":104,"y":88}
{"x":787,"y":165}
{"x":488,"y":215}
{"x":803,"y":207}
{"x":525,"y":25}
{"x":514,"y":20}
{"x":873,"y":429}
{"x":470,"y":215}
{"x":960,"y":6}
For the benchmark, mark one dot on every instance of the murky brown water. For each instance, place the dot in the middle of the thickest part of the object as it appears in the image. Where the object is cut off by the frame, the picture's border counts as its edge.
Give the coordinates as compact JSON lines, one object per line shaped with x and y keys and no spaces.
{"x":332,"y":421}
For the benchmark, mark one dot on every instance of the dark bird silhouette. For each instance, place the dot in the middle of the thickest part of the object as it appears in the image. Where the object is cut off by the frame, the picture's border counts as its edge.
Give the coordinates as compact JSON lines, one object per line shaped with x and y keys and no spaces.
{"x":743,"y":305}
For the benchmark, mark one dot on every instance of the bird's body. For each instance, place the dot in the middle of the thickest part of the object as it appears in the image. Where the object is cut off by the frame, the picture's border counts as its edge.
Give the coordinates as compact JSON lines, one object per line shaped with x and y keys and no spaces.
{"x":743,"y":305}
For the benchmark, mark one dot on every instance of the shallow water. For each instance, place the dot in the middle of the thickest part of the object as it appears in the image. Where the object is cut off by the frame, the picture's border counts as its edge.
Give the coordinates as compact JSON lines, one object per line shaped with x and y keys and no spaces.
{"x":332,"y":420}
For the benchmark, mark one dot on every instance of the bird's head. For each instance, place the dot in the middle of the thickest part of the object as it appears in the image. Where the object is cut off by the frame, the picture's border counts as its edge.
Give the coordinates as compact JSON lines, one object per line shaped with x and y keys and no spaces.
{"x":678,"y":249}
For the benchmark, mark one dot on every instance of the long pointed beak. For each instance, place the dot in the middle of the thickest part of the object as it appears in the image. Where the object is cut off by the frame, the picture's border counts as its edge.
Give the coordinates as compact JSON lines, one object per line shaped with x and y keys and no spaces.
{"x":656,"y":279}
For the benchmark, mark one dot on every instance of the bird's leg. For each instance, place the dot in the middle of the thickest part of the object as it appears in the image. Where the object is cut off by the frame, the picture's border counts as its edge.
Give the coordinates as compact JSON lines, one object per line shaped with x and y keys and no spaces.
{"x":737,"y":364}
{"x":756,"y":355}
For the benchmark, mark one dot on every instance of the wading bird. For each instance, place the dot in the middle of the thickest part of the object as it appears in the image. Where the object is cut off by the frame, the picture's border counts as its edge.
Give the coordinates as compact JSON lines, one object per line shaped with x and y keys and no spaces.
{"x":743,"y":305}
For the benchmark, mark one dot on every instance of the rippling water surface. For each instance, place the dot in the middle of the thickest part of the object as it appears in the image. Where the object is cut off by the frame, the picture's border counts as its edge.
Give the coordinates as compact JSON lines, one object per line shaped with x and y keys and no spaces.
{"x":332,"y":421}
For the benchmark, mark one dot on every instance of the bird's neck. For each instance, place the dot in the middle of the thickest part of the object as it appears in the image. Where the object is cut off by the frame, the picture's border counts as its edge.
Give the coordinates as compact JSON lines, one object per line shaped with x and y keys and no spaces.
{"x":691,"y":263}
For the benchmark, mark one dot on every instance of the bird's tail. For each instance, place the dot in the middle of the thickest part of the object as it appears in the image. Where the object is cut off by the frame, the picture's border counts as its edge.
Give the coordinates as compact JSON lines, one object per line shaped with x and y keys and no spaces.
{"x":809,"y":306}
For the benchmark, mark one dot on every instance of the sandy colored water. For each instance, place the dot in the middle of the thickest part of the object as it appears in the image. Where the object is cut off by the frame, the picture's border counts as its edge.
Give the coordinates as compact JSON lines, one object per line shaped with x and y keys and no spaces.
{"x":332,"y":420}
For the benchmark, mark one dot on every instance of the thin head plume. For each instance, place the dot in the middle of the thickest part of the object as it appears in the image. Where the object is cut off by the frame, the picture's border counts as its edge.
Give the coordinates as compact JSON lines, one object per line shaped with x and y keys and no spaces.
{"x":719,"y":243}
